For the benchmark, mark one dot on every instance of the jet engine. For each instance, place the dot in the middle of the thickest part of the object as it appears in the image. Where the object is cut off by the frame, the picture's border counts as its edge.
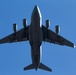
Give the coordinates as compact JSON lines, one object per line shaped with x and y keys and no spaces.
{"x":47,"y":24}
{"x":57,"y":29}
{"x":15,"y":27}
{"x":24,"y":23}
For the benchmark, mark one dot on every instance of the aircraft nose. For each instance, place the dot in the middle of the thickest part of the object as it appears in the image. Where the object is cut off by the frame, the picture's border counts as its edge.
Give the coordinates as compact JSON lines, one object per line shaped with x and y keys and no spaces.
{"x":35,"y":8}
{"x":36,"y":13}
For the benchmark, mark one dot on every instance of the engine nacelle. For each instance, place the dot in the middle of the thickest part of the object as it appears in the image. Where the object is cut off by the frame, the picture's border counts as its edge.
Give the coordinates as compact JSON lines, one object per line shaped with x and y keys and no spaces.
{"x":24,"y":23}
{"x":57,"y":29}
{"x":15,"y":27}
{"x":47,"y":24}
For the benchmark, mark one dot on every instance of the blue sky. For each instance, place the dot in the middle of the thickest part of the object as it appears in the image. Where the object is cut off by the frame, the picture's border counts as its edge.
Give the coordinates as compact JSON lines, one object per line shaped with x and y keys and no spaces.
{"x":14,"y":57}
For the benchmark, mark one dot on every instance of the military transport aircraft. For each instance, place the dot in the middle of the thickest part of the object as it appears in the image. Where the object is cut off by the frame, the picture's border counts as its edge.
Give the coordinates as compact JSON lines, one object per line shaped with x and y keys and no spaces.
{"x":36,"y":33}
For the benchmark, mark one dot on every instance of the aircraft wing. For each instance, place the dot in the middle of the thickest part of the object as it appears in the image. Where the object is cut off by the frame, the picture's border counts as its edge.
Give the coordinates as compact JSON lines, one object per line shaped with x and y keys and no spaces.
{"x":21,"y":35}
{"x":52,"y":37}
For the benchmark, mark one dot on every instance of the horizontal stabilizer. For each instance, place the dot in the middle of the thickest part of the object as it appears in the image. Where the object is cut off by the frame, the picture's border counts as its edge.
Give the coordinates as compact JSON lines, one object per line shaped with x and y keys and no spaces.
{"x":42,"y":66}
{"x":29,"y":67}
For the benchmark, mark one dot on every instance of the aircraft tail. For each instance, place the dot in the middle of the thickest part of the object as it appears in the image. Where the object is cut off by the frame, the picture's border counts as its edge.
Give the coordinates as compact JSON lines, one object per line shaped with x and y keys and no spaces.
{"x":29,"y":67}
{"x":42,"y":66}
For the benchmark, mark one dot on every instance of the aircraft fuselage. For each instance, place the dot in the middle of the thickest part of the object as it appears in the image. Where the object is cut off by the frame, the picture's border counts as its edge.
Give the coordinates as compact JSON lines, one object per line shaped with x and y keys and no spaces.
{"x":35,"y":36}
